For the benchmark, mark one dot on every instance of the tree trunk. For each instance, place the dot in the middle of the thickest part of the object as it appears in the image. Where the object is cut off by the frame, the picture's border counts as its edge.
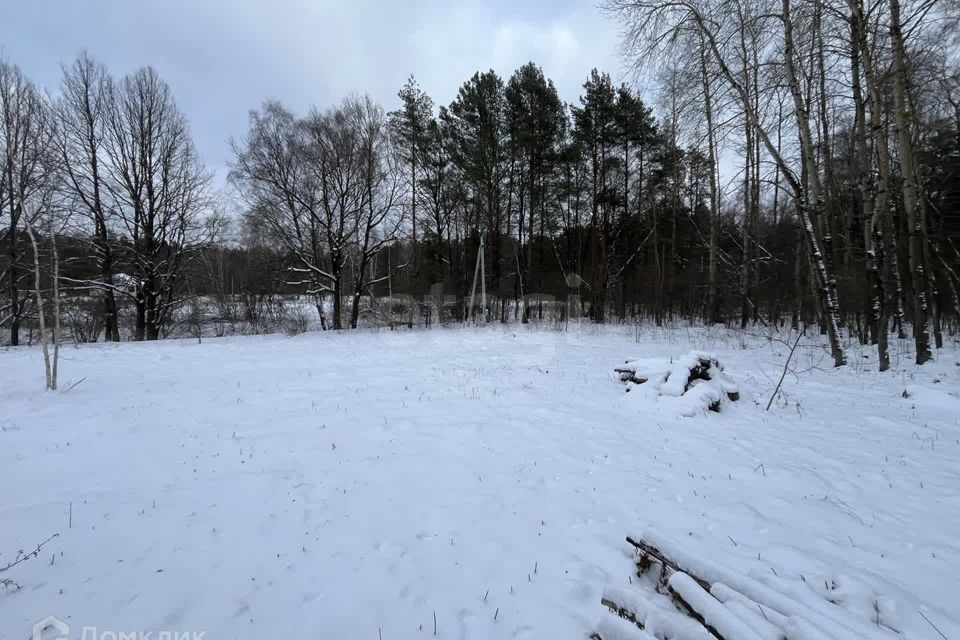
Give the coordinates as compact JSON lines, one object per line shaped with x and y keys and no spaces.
{"x":111,"y":330}
{"x":140,"y":330}
{"x":745,"y":279}
{"x":915,"y":230}
{"x":49,"y":368}
{"x":884,"y":231}
{"x":16,"y":306}
{"x":55,"y":285}
{"x":811,"y":212}
{"x":111,"y":326}
{"x":355,"y":308}
{"x":319,"y":306}
{"x":713,"y":301}
{"x":870,"y":216}
{"x":337,"y":302}
{"x":152,"y":314}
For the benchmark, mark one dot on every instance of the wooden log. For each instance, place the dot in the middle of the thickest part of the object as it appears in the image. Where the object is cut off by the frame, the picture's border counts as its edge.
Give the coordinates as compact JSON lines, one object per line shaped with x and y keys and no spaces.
{"x":647,"y":551}
{"x":704,"y":607}
{"x":611,"y":628}
{"x":621,"y":611}
{"x":685,"y":606}
{"x":629,"y":375}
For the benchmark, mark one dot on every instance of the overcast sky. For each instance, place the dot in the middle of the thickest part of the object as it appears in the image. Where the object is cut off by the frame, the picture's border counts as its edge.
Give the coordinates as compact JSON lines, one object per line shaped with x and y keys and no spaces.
{"x":224,"y":57}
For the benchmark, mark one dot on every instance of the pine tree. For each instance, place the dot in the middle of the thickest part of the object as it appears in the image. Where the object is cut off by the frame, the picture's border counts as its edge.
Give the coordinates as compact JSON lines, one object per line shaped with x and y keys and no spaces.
{"x":596,"y":132}
{"x":477,"y":123}
{"x":635,"y":128}
{"x":408,"y":127}
{"x":536,"y":120}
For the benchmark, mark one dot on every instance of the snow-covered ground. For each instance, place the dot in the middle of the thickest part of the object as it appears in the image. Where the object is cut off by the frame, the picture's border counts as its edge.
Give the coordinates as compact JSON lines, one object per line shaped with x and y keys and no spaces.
{"x":363,"y":484}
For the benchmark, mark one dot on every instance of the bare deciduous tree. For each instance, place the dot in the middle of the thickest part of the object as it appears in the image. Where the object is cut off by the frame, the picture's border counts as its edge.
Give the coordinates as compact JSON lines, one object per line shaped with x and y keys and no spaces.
{"x":24,"y":144}
{"x":328,"y":187}
{"x":82,"y":111}
{"x":160,"y":194}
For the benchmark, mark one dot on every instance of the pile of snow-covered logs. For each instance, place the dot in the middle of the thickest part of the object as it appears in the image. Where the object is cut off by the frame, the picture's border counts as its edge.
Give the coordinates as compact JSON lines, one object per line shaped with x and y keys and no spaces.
{"x":678,"y":595}
{"x":697,"y":376}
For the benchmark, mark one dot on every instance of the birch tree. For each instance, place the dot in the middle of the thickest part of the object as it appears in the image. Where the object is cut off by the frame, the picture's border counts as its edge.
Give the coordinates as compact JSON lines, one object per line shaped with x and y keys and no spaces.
{"x":646,"y":21}
{"x":916,"y":233}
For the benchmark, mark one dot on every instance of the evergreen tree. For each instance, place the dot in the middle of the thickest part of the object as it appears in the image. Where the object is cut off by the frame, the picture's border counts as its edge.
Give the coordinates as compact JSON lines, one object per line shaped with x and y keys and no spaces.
{"x":636,"y":129}
{"x":596,"y":132}
{"x":477,"y":124}
{"x":408,"y":127}
{"x":536,"y":122}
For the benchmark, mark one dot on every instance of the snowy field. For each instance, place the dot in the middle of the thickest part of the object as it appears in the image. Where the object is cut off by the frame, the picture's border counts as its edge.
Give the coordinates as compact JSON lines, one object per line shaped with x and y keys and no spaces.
{"x":362,"y":485}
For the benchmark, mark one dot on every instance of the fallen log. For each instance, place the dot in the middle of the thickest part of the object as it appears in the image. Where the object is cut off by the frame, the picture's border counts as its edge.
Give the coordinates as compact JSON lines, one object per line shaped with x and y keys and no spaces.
{"x":647,"y":551}
{"x":629,"y":375}
{"x":707,"y":610}
{"x":723,"y":604}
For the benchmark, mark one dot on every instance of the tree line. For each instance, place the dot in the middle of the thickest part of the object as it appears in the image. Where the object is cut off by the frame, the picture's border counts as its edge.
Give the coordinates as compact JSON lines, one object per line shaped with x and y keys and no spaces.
{"x":789,"y":163}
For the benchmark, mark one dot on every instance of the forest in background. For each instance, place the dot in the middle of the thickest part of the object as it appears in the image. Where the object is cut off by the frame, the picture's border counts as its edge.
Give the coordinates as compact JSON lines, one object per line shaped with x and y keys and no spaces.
{"x":794,"y":163}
